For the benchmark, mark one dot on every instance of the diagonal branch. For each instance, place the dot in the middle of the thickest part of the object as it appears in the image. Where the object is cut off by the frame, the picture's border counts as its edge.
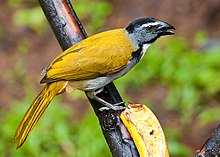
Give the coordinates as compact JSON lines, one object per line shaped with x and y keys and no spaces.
{"x":212,"y":145}
{"x":68,"y":31}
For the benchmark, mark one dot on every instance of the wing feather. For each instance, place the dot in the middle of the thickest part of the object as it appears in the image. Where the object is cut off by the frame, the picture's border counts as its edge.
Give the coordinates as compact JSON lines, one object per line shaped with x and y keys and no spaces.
{"x":102,"y":54}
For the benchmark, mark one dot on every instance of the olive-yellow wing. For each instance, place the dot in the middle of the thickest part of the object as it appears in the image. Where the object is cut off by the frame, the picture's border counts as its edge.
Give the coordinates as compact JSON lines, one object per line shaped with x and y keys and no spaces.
{"x":99,"y":55}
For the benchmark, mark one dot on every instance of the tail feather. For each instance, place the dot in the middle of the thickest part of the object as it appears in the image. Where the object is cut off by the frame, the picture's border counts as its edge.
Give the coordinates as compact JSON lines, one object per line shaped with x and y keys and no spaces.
{"x":36,"y":110}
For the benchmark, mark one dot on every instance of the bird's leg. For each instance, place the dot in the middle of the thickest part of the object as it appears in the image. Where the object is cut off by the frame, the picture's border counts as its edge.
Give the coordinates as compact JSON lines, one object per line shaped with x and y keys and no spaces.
{"x":93,"y":95}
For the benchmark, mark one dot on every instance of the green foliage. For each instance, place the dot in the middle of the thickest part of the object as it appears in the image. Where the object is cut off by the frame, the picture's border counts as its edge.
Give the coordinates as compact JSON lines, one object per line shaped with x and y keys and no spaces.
{"x":31,"y":17}
{"x":95,"y":12}
{"x":61,"y":137}
{"x":89,"y":139}
{"x":209,"y":115}
{"x":176,"y":148}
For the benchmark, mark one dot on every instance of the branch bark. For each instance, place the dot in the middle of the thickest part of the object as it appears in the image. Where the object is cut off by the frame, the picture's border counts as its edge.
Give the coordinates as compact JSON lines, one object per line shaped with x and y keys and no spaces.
{"x":68,"y":31}
{"x":211,"y":148}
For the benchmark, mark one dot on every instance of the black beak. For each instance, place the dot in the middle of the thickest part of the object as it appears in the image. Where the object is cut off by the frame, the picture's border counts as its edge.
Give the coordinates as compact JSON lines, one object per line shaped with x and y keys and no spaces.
{"x":165,"y":29}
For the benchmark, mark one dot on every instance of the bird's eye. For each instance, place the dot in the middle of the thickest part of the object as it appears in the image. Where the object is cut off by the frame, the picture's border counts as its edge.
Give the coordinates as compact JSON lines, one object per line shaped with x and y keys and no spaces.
{"x":149,"y":28}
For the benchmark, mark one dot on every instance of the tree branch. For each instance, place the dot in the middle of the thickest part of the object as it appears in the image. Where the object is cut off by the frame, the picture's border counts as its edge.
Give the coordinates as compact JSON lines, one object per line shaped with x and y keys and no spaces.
{"x":211,"y":148}
{"x":68,"y":31}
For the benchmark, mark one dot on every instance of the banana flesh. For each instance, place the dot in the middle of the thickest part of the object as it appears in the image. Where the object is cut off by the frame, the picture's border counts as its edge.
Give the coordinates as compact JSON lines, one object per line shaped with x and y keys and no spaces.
{"x":145,"y":130}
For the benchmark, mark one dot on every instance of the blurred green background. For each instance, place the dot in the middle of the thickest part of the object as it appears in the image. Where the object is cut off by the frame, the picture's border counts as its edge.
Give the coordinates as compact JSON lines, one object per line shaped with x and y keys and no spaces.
{"x":179,"y":78}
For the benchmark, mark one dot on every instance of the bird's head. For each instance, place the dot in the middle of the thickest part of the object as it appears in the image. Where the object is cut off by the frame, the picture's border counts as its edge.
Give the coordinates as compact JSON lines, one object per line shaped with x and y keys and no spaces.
{"x":145,"y":31}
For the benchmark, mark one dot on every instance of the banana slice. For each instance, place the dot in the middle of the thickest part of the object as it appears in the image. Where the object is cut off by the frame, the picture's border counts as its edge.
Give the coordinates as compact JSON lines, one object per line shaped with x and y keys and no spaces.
{"x":145,"y":130}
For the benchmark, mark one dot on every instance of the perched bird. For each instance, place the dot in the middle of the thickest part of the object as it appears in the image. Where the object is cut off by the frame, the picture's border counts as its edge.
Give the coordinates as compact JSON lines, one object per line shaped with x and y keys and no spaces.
{"x":91,"y":64}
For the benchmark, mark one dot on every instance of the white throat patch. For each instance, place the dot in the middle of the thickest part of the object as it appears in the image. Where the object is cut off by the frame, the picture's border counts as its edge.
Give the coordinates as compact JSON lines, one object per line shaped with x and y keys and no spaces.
{"x":145,"y":47}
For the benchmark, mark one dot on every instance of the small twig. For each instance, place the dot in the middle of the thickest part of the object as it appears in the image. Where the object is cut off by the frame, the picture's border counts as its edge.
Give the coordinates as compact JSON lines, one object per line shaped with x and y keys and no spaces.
{"x":68,"y":31}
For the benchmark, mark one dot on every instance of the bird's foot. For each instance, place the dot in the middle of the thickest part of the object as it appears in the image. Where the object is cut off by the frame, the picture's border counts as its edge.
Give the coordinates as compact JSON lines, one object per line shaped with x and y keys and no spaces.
{"x":115,"y":107}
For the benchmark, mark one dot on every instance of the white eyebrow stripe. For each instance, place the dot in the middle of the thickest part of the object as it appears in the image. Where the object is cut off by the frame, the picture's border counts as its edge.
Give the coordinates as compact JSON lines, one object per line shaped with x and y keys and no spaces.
{"x":150,"y":24}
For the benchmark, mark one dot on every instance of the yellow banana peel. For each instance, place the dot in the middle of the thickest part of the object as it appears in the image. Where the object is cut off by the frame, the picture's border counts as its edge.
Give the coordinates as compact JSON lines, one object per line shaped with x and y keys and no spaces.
{"x":145,"y":130}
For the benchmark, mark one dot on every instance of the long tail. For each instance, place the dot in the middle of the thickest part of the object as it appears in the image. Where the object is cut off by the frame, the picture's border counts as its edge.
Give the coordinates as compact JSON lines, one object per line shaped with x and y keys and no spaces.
{"x":36,"y":110}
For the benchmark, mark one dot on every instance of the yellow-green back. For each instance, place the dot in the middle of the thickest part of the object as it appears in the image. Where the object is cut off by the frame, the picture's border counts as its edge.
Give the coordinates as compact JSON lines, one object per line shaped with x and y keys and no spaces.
{"x":101,"y":54}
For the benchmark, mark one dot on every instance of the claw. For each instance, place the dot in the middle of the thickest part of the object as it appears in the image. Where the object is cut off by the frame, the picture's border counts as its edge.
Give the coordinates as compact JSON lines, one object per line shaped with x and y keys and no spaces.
{"x":113,"y":107}
{"x":108,"y":106}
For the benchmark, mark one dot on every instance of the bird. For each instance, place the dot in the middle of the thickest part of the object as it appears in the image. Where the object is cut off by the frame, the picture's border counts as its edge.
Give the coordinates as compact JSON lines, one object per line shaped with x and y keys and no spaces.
{"x":91,"y":64}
